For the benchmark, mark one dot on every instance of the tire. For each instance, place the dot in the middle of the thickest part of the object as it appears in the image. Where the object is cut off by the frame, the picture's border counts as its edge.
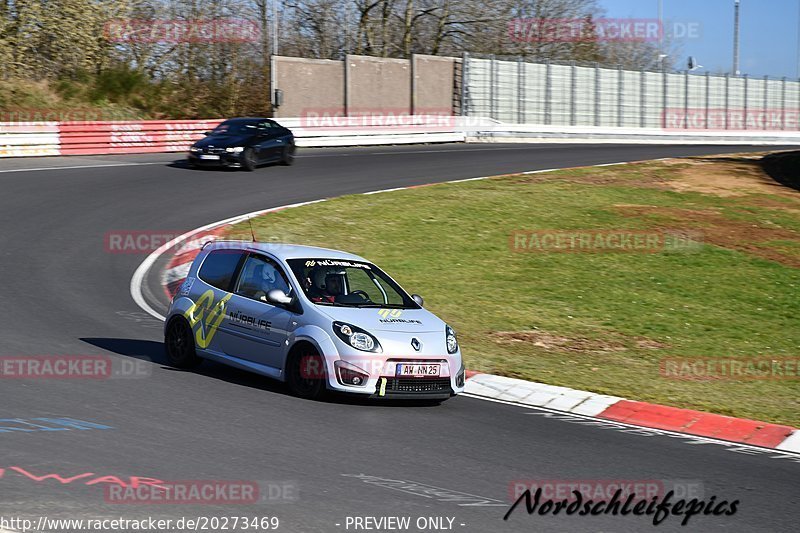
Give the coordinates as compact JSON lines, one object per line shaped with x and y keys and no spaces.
{"x":303,"y":383}
{"x":287,"y":156}
{"x":179,"y":344}
{"x":248,"y":160}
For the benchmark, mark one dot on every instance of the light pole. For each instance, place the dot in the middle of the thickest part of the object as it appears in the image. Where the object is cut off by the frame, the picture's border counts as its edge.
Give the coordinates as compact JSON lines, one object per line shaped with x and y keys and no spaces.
{"x":660,"y":27}
{"x":798,"y":40}
{"x":275,"y":27}
{"x":736,"y":38}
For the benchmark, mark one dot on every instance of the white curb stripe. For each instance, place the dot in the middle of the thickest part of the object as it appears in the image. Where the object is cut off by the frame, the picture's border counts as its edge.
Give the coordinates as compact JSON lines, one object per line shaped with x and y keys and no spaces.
{"x":540,"y":394}
{"x":791,"y":444}
{"x":176,"y":273}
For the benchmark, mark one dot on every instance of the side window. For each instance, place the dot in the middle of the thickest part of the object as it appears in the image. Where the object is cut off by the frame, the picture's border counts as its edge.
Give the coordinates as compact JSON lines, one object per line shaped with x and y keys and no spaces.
{"x":259,"y":276}
{"x":265,"y":127}
{"x":219,"y":267}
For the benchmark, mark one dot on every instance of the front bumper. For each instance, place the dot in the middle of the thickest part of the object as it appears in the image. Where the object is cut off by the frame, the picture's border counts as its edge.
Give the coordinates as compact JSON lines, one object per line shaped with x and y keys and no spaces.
{"x":413,"y":388}
{"x":225,"y":160}
{"x":383,"y":381}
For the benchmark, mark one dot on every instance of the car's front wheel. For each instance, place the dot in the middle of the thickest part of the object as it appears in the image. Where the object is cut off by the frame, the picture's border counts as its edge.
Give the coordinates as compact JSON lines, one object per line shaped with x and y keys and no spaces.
{"x":249,"y":160}
{"x":287,"y":156}
{"x":179,"y":344}
{"x":305,"y":375}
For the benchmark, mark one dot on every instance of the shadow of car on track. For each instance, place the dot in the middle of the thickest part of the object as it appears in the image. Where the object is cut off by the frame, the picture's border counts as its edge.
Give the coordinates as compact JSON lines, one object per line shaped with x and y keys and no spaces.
{"x":184,"y":165}
{"x":153,"y":352}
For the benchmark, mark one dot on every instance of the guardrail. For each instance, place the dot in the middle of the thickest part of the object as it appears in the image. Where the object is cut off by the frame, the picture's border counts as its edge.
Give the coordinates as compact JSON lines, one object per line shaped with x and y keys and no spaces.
{"x":20,"y":139}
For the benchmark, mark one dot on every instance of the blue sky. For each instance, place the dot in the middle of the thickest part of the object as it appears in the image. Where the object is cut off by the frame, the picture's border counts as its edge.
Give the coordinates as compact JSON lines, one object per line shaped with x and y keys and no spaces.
{"x":768,"y":37}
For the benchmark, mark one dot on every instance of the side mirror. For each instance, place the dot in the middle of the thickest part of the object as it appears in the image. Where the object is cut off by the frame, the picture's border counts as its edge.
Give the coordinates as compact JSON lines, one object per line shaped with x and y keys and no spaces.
{"x":277,"y":296}
{"x":417,"y":298}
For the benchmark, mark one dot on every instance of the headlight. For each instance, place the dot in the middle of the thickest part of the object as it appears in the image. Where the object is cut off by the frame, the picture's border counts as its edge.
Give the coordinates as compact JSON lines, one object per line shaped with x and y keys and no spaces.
{"x":356,"y":337}
{"x":194,"y":149}
{"x":452,"y":342}
{"x":234,"y":150}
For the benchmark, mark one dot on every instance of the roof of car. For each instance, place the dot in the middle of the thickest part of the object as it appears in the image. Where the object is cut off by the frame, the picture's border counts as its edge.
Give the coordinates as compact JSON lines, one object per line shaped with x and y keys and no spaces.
{"x":286,"y":251}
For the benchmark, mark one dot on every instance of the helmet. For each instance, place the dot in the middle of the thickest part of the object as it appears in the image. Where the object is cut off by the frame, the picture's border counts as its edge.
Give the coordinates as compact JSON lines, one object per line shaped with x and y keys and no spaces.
{"x":334,"y":283}
{"x":317,"y":276}
{"x":267,"y":273}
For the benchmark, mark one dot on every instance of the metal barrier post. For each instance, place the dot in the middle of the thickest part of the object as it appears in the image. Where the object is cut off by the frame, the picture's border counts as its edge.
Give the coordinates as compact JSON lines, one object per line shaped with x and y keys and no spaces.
{"x":596,"y":94}
{"x":620,"y":89}
{"x":686,"y":100}
{"x":727,"y":100}
{"x":745,"y":100}
{"x":492,"y":87}
{"x":765,"y":111}
{"x":642,"y":99}
{"x":520,"y":91}
{"x":464,"y":83}
{"x":708,"y":97}
{"x":573,"y":90}
{"x":548,"y":93}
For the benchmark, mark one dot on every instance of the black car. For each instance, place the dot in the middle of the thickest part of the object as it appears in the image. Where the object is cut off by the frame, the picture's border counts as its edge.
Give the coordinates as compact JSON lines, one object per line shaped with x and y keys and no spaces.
{"x":244,"y":143}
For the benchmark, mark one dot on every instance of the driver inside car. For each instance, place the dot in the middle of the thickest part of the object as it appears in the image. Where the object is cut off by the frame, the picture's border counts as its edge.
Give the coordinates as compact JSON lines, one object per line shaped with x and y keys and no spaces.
{"x":265,"y":276}
{"x":326,"y":285}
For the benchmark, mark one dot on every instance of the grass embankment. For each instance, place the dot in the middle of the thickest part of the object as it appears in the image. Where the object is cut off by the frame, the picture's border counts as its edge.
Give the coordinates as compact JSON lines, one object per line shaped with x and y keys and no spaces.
{"x":124,"y":94}
{"x":595,"y":321}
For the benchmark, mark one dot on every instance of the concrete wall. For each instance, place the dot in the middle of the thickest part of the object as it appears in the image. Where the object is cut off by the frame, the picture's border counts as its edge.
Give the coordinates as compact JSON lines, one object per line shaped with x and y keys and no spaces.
{"x":378,"y":84}
{"x":365,"y":85}
{"x":434,"y":83}
{"x":310,"y":86}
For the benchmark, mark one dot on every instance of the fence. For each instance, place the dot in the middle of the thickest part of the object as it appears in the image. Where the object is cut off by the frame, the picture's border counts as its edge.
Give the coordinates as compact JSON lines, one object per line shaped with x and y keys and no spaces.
{"x":570,"y":95}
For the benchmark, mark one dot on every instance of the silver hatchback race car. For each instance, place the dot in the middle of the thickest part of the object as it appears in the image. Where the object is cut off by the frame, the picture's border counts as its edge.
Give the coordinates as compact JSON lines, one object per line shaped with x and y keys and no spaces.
{"x":319,"y":319}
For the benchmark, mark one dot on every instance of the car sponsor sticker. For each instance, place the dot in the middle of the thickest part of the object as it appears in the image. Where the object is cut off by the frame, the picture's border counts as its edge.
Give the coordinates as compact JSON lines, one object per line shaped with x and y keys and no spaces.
{"x":208,"y":315}
{"x":186,"y":286}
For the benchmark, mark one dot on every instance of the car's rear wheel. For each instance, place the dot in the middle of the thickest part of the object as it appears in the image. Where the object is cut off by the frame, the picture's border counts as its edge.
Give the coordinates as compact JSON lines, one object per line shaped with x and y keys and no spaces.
{"x":306,"y":375}
{"x":179,"y":344}
{"x":287,"y":156}
{"x":249,"y":160}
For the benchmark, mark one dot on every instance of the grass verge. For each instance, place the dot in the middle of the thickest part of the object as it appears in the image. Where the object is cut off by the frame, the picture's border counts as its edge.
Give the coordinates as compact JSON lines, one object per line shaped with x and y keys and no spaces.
{"x":594,"y":319}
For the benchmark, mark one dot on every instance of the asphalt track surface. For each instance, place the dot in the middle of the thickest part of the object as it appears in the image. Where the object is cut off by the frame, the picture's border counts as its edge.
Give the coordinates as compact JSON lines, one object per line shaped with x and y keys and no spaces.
{"x":64,"y":293}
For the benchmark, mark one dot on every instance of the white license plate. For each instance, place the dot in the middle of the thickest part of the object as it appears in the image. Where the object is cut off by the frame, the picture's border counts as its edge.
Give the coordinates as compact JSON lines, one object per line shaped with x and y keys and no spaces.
{"x":417,"y":370}
{"x":207,"y":156}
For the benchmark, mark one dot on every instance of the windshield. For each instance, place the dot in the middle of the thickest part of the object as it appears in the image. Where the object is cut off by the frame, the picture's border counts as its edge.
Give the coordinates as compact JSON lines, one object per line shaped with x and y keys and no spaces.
{"x":344,"y":283}
{"x":234,"y":128}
